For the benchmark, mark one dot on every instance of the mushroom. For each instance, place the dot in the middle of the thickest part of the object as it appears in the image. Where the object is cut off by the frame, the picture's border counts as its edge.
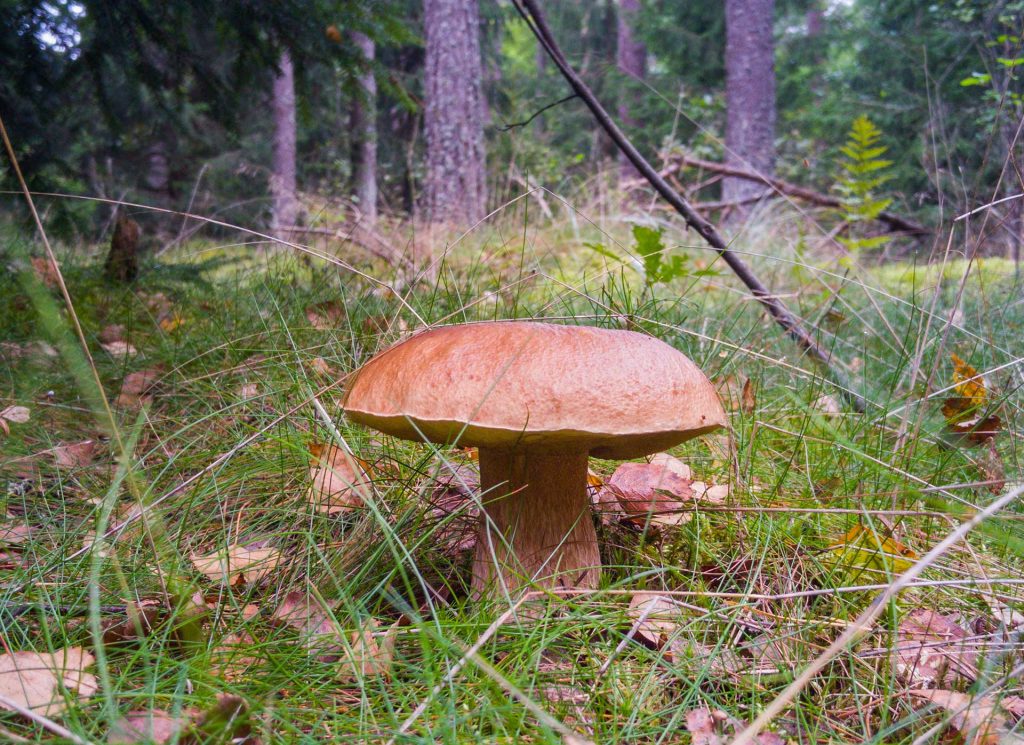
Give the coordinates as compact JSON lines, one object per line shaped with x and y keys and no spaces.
{"x":537,"y":399}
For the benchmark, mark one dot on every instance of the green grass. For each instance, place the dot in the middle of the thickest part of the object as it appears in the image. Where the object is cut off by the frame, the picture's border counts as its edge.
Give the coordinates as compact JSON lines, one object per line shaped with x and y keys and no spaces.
{"x":219,"y":468}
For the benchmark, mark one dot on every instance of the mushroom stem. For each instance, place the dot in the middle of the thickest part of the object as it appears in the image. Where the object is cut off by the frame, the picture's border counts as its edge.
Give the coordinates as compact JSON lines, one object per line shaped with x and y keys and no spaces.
{"x":536,"y":528}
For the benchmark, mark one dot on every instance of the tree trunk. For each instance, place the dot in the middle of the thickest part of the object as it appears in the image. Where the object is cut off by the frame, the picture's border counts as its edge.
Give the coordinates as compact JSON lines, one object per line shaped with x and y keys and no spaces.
{"x":364,"y":132}
{"x":749,"y":94}
{"x":455,"y":185}
{"x":285,"y":209}
{"x":631,"y":58}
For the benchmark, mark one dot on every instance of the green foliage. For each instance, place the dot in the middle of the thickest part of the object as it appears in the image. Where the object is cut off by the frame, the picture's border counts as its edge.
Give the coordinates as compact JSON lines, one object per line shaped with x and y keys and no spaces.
{"x":865,"y":171}
{"x":656,"y":266}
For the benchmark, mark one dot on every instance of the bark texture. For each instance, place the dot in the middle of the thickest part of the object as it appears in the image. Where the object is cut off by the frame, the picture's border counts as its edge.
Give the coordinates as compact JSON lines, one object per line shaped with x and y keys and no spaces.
{"x":538,"y":528}
{"x":364,"y":132}
{"x":631,"y":59}
{"x":749,"y":93}
{"x":285,"y":208}
{"x":455,"y":187}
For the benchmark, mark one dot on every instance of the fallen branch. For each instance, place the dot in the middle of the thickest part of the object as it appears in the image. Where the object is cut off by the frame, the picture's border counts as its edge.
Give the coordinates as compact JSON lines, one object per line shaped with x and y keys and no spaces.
{"x":533,"y":17}
{"x":895,"y":222}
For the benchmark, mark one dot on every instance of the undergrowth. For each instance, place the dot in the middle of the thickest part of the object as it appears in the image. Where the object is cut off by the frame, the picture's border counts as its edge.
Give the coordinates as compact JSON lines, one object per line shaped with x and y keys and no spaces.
{"x":219,"y":455}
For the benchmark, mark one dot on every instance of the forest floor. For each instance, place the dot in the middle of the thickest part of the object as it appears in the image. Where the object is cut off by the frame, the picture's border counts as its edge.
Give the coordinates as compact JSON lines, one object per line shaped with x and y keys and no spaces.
{"x":185,"y":564}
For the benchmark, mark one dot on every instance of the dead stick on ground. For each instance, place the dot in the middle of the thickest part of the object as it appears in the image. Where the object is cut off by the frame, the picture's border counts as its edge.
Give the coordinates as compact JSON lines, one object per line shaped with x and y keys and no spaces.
{"x":895,"y":222}
{"x":530,"y":11}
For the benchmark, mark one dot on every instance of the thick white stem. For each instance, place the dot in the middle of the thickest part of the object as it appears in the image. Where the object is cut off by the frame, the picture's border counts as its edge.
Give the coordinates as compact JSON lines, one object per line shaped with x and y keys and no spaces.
{"x":537,"y":527}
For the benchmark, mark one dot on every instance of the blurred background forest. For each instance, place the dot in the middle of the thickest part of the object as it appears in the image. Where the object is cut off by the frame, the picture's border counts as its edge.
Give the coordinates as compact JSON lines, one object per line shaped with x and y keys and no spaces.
{"x":284,"y":115}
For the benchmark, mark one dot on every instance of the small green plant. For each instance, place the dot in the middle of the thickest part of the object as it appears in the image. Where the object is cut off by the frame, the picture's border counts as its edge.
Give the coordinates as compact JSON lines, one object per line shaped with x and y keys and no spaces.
{"x":657,"y":266}
{"x":864,"y":172}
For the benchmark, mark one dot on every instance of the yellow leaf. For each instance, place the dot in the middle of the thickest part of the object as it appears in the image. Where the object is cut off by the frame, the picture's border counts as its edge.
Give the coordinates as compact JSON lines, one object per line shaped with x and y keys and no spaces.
{"x":171,"y":322}
{"x":867,"y":549}
{"x":969,"y":384}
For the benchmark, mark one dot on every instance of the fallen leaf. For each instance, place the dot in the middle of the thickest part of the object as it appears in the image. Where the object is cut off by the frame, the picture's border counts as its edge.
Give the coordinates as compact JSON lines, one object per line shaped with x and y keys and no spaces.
{"x":866,"y":549}
{"x":454,"y":493}
{"x":992,"y":468}
{"x":15,"y":535}
{"x":715,"y":727}
{"x":371,"y":652}
{"x":171,"y":322}
{"x":16,"y":414}
{"x":120,"y":349}
{"x":303,"y":612}
{"x":655,"y":617}
{"x":326,"y":315}
{"x":136,"y":387}
{"x":35,"y":680}
{"x":138,"y":622}
{"x":113,"y":332}
{"x":338,"y":479}
{"x":659,"y":492}
{"x":748,"y":399}
{"x":227,"y":721}
{"x":730,"y":390}
{"x":74,"y":455}
{"x":965,"y":411}
{"x":153,"y":726}
{"x":932,"y":651}
{"x":233,"y":659}
{"x":46,"y":271}
{"x":319,"y":366}
{"x":979,"y":720}
{"x":828,"y":405}
{"x":238,"y":564}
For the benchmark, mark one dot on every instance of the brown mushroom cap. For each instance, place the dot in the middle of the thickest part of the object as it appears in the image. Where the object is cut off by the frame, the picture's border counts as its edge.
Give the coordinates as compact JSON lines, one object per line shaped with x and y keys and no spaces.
{"x":525,"y":385}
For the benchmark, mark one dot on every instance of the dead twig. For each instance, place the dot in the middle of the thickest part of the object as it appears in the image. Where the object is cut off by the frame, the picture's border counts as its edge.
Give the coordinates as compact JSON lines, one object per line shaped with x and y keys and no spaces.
{"x":534,"y":18}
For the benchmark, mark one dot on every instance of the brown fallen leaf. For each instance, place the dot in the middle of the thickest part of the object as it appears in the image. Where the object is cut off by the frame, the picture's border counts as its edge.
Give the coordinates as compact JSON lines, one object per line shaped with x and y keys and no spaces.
{"x":656,"y":618}
{"x":227,"y":721}
{"x":113,"y":332}
{"x":75,"y":454}
{"x":992,"y":468}
{"x":650,"y":491}
{"x":370,"y":653}
{"x":171,"y":322}
{"x":661,"y":492}
{"x":827,"y":405}
{"x":120,"y":349}
{"x":137,"y":387}
{"x":153,"y":726}
{"x":715,"y":727}
{"x":452,"y":493}
{"x":748,"y":399}
{"x":320,"y":367}
{"x":931,"y":651}
{"x":37,"y":680}
{"x":14,"y":414}
{"x":234,"y":659}
{"x":317,"y":630}
{"x":303,"y":612}
{"x":338,"y":479}
{"x":965,"y":412}
{"x":237,"y":564}
{"x":979,"y":720}
{"x":326,"y":315}
{"x":15,"y":535}
{"x":138,"y":622}
{"x":46,"y":271}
